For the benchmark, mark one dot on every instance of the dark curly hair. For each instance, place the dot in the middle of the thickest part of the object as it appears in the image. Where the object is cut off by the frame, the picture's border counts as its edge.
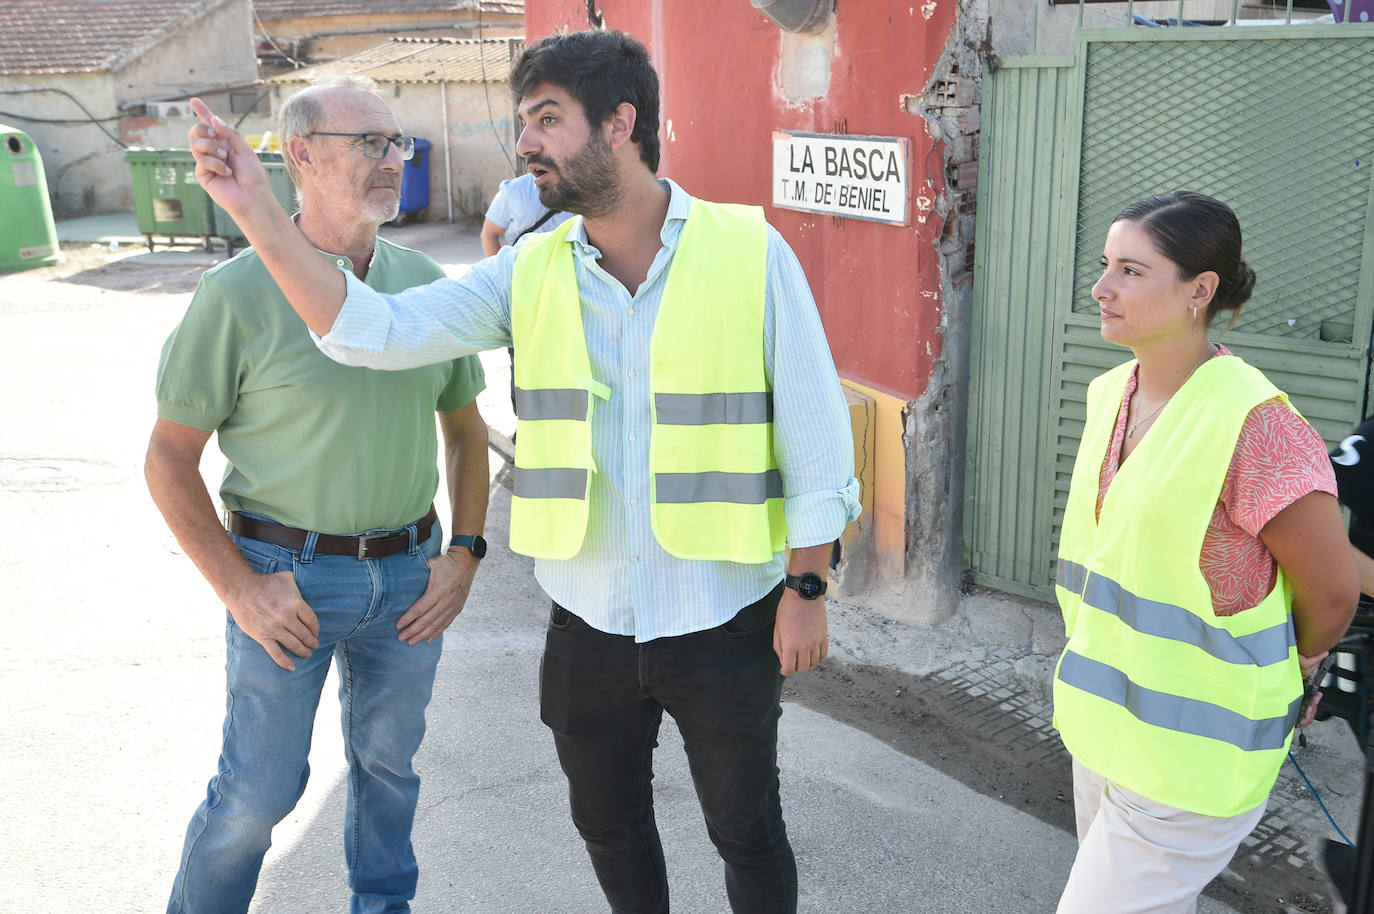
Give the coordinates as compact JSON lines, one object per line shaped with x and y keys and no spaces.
{"x":1198,"y":233}
{"x":600,"y":70}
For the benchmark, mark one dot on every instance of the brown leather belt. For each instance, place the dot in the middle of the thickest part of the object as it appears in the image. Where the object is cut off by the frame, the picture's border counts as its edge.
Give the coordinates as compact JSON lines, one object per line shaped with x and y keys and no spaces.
{"x":366,"y":546}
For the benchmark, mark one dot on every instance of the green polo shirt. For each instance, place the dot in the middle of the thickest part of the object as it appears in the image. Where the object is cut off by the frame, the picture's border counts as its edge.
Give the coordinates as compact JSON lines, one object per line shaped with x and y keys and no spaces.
{"x":310,"y":443}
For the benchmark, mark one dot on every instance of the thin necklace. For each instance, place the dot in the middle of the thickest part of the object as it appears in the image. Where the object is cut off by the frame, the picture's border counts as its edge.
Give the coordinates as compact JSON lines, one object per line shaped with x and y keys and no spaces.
{"x":1130,"y":432}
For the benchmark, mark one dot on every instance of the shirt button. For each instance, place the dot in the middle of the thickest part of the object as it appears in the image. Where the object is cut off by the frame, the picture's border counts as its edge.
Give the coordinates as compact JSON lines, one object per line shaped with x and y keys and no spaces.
{"x":634,"y":558}
{"x":632,"y":437}
{"x":342,"y":263}
{"x":632,"y":372}
{"x":631,"y":312}
{"x":634,"y":501}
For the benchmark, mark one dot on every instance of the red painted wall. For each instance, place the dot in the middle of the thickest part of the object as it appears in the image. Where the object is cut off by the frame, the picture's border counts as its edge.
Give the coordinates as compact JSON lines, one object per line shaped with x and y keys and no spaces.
{"x":877,"y":286}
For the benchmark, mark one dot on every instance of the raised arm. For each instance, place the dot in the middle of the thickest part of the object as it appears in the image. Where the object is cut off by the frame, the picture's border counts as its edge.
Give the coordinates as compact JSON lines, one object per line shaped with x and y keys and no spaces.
{"x":234,"y":178}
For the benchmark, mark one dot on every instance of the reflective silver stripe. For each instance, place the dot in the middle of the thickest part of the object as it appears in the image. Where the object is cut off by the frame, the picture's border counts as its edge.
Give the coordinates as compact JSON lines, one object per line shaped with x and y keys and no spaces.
{"x":551,"y":403}
{"x":1174,"y":712}
{"x":713,"y":409}
{"x":556,"y":482}
{"x":736,"y":488}
{"x":1070,"y":575}
{"x":1164,"y":620}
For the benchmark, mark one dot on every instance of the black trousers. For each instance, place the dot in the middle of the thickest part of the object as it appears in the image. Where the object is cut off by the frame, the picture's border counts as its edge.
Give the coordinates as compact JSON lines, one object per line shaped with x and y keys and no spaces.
{"x":603,"y":696}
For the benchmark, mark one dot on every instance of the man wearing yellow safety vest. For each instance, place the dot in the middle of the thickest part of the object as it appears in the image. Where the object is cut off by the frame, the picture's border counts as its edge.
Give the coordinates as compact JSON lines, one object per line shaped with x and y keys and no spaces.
{"x":680,"y":423}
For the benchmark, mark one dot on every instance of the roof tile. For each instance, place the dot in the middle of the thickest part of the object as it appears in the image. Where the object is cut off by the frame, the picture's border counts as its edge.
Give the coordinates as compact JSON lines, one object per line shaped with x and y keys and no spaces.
{"x":422,"y":60}
{"x":85,"y":36}
{"x":272,"y":10}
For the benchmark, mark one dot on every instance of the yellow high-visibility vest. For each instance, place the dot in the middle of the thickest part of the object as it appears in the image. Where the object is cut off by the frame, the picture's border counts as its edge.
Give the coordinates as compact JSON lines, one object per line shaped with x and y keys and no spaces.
{"x":716,"y":493}
{"x":1154,"y":690}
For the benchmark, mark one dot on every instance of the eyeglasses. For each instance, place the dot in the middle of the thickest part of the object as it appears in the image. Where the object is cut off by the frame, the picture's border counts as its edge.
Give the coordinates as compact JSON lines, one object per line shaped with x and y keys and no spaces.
{"x":377,"y":145}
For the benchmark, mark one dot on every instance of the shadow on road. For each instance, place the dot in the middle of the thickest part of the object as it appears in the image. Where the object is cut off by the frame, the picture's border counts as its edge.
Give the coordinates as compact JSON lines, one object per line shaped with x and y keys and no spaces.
{"x":143,"y":273}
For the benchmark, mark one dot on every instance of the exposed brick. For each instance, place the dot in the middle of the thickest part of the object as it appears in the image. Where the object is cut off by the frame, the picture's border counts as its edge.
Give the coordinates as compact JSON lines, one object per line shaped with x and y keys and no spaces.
{"x":964,"y":148}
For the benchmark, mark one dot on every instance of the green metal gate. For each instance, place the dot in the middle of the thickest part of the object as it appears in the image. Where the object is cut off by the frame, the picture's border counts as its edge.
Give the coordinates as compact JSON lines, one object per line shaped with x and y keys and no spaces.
{"x":1275,"y":121}
{"x":1021,"y":218}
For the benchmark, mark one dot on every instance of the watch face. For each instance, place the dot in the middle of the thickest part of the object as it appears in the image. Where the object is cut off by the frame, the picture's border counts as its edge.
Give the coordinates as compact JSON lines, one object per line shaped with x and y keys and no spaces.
{"x":810,"y":586}
{"x":479,"y":546}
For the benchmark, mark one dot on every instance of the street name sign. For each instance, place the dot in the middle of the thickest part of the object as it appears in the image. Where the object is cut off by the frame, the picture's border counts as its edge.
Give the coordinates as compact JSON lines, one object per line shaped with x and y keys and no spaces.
{"x":858,"y":177}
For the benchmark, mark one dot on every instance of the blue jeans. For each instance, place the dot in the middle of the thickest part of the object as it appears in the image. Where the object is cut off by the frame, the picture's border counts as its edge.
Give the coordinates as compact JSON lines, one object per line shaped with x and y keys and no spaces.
{"x":384,"y":687}
{"x":603,"y":696}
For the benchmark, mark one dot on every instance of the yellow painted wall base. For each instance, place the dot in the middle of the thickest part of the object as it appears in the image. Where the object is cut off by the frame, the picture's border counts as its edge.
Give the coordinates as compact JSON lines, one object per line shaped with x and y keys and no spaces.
{"x":863,"y":415}
{"x":878,"y":421}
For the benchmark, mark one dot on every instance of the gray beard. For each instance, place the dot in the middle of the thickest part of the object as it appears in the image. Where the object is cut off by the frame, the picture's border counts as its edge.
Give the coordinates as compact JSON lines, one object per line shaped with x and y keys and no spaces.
{"x":380,"y":213}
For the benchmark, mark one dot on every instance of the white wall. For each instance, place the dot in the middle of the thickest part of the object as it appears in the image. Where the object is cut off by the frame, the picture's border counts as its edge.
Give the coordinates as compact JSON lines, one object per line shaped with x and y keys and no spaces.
{"x":215,"y":50}
{"x":475,"y":136}
{"x":85,"y":166}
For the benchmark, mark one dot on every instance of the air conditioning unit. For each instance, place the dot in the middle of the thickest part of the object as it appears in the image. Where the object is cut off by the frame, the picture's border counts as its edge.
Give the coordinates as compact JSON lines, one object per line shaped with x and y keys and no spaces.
{"x":169,"y":109}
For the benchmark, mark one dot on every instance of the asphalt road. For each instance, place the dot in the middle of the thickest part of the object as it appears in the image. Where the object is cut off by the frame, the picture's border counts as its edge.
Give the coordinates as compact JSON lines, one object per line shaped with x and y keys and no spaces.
{"x":112,"y":682}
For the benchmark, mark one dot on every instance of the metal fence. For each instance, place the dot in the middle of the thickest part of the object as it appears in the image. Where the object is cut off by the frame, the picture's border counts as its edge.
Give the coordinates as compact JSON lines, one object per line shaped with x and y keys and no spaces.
{"x":1338,"y":9}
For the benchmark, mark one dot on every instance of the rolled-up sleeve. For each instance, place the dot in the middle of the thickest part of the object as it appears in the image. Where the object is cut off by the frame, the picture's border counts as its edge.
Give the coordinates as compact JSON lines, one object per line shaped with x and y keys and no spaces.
{"x":812,"y":439}
{"x":425,"y":324}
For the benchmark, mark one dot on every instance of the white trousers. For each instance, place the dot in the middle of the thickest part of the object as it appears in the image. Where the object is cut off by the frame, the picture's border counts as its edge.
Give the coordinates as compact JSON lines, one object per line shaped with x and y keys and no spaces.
{"x":1136,"y":856}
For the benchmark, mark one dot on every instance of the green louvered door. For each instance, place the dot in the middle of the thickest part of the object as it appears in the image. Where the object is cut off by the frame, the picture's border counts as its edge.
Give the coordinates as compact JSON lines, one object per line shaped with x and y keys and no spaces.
{"x":1021,"y":227}
{"x":1275,"y":121}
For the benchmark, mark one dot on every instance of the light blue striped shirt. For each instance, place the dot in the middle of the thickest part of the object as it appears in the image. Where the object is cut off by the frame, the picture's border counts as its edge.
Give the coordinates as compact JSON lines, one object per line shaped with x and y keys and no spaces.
{"x":622,"y":581}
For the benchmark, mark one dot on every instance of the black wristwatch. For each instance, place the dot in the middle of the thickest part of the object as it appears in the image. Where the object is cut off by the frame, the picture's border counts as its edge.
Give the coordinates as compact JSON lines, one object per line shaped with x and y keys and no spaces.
{"x":809,"y":586}
{"x":473,"y":543}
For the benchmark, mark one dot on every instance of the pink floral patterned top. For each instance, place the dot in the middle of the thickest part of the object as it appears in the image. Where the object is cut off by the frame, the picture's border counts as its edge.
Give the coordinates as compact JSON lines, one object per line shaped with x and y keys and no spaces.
{"x":1278,"y":459}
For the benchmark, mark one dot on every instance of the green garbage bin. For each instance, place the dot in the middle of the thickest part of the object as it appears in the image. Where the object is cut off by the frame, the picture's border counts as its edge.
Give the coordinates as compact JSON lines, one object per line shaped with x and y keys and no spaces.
{"x":28,"y":237}
{"x":167,"y":198}
{"x":282,"y":189}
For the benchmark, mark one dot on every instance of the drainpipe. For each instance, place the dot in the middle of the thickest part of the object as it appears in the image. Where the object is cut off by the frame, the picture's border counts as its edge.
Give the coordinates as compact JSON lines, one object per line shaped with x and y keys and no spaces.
{"x":448,"y":166}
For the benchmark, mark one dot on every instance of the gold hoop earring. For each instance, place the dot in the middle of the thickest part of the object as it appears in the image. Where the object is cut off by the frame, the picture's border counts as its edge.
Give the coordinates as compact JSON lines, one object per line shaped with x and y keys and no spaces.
{"x":1194,"y":312}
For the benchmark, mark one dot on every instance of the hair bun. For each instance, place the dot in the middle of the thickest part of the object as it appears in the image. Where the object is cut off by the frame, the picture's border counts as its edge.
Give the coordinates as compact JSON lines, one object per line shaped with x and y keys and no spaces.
{"x":1237,"y":291}
{"x":1200,"y":234}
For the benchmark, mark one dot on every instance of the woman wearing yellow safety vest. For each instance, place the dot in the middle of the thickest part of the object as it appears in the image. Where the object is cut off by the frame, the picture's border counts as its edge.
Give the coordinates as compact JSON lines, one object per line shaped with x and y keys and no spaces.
{"x":1203,"y":572}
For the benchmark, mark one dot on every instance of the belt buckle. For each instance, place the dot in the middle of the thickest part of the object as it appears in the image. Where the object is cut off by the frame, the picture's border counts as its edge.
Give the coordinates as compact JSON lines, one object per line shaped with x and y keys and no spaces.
{"x":363,"y":542}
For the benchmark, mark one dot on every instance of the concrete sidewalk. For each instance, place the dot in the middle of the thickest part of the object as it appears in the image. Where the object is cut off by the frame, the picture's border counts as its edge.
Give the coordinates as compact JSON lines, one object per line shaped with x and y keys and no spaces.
{"x":101,"y":228}
{"x":873,"y":830}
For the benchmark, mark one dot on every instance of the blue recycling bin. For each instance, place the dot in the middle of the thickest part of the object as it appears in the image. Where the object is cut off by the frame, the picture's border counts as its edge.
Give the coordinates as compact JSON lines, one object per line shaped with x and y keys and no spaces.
{"x":415,"y":179}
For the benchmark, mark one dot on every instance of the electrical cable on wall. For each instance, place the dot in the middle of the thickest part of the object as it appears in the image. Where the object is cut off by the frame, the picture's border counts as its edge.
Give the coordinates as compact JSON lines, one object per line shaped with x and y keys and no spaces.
{"x":253,"y":107}
{"x":296,"y":63}
{"x":58,"y":120}
{"x":486,"y":90}
{"x":90,"y":118}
